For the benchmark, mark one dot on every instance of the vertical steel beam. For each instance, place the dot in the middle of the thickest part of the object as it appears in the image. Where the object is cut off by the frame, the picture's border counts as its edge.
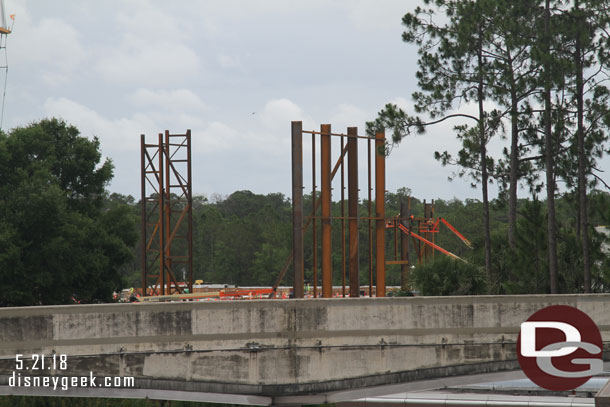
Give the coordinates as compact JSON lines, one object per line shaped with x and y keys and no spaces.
{"x":314,"y":204}
{"x":189,"y":237}
{"x":342,"y":219}
{"x":297,"y":208}
{"x":404,"y":247}
{"x":143,"y":207}
{"x":352,"y":192}
{"x":380,"y":211}
{"x":168,"y":213}
{"x":327,"y":280}
{"x":370,"y":227}
{"x":161,"y":218}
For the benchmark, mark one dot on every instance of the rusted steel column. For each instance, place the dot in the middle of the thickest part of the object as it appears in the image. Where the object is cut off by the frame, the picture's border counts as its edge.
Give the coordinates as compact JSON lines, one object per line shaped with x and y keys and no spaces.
{"x":327,"y":279}
{"x":313,"y":219}
{"x":404,"y":247}
{"x":189,"y":237}
{"x":168,"y":214}
{"x":380,"y":211}
{"x":297,"y":208}
{"x":143,"y":207}
{"x":161,"y":198}
{"x":370,"y":209}
{"x":342,"y":219}
{"x":352,"y":196}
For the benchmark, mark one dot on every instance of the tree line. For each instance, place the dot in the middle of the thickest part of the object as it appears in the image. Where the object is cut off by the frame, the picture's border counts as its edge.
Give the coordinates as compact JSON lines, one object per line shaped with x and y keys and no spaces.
{"x":535,"y":74}
{"x":246,"y":238}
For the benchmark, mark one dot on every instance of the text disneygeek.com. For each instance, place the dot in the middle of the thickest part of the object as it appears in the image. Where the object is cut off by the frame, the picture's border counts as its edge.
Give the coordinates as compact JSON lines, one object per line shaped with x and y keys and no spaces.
{"x":66,"y":382}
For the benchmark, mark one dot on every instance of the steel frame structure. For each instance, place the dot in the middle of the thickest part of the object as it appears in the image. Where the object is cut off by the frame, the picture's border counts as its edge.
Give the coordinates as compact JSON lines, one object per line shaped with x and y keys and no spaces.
{"x":349,"y":149}
{"x":167,"y":215}
{"x":420,"y":230}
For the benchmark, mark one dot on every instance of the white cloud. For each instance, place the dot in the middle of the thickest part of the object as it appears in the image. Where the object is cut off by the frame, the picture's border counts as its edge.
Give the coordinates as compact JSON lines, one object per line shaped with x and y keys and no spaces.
{"x":115,"y":135}
{"x":229,"y":62}
{"x":144,"y":20}
{"x":239,"y":9}
{"x":137,"y":62}
{"x":278,"y":113}
{"x":52,"y":46}
{"x":215,"y":137}
{"x":173,"y":100}
{"x":347,"y":115}
{"x":153,"y":47}
{"x":372,"y":15}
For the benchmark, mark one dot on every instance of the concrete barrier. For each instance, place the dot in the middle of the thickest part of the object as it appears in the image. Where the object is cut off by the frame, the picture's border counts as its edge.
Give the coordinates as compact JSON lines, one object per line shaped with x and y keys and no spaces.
{"x":276,"y":348}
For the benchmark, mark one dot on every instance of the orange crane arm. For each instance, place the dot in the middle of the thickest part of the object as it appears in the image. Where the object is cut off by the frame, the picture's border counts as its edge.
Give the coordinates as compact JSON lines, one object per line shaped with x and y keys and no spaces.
{"x":429,"y":243}
{"x":458,"y":234}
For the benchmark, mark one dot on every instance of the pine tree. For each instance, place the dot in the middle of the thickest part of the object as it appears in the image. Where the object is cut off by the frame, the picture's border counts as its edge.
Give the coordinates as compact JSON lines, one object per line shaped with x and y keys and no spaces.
{"x":586,"y":25}
{"x":512,"y":86}
{"x":453,"y":68}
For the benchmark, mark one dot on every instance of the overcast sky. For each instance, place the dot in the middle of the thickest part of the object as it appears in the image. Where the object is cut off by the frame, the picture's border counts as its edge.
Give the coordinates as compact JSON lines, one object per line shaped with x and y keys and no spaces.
{"x":234,"y":72}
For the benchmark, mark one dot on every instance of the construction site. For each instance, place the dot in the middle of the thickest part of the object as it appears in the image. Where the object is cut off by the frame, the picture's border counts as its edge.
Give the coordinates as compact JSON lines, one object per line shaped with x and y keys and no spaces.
{"x":167,"y":222}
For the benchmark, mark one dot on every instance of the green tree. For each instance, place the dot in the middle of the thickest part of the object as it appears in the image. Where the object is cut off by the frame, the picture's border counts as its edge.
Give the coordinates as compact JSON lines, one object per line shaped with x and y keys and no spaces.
{"x":446,"y":276}
{"x":528,"y":260}
{"x":57,"y":239}
{"x":586,"y":51}
{"x":512,"y":84}
{"x":123,"y":216}
{"x":243,"y":239}
{"x":542,"y":53}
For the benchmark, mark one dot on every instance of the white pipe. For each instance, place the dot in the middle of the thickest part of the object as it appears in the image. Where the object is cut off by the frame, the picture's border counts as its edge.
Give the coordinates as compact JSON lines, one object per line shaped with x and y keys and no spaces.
{"x":470,"y":400}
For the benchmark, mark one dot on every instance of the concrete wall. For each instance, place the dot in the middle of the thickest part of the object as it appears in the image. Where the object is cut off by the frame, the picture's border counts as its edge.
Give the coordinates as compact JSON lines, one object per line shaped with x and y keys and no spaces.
{"x":264,"y":347}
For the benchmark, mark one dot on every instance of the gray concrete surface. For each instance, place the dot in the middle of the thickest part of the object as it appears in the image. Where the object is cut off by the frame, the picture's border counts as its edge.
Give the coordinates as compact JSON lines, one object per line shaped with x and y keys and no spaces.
{"x":281,"y":348}
{"x":602,"y":398}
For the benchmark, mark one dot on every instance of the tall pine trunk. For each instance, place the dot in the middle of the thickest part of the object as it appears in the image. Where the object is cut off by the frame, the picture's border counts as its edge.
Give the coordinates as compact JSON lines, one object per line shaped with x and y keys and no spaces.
{"x":514,"y":158}
{"x":548,"y":156}
{"x":582,"y":157}
{"x":484,"y":174}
